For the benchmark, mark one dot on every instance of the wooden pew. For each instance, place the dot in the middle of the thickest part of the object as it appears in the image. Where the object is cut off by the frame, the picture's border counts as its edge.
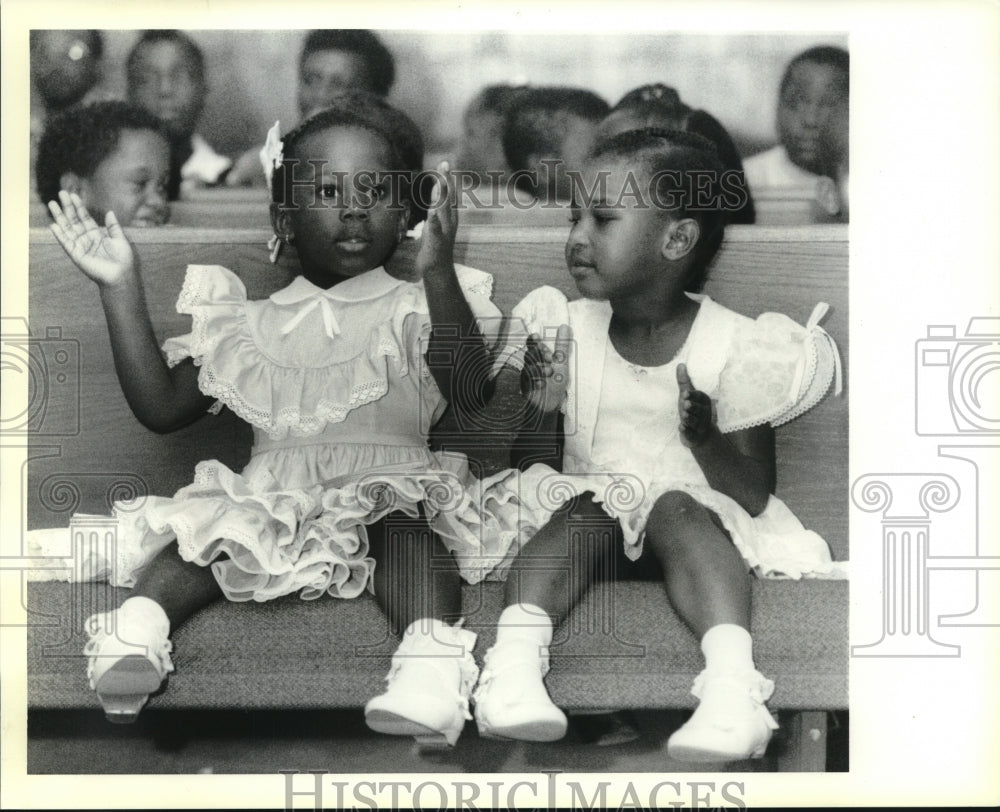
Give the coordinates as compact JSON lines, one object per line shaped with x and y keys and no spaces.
{"x":89,"y":449}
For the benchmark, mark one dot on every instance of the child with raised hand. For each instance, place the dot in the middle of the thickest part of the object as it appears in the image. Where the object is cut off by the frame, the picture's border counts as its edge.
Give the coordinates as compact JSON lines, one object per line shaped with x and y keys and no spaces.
{"x":341,"y":374}
{"x":114,"y":156}
{"x":651,"y":382}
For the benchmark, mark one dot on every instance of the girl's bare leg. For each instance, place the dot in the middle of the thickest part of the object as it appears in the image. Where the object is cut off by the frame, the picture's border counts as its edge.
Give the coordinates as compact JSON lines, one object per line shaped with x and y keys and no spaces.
{"x":708,"y":584}
{"x":180,"y":587}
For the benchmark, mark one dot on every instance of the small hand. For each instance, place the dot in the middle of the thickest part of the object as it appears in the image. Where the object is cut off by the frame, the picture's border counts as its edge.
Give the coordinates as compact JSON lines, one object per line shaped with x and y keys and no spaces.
{"x":103,"y":254}
{"x":437,"y":242}
{"x":697,"y":418}
{"x":545,"y":377}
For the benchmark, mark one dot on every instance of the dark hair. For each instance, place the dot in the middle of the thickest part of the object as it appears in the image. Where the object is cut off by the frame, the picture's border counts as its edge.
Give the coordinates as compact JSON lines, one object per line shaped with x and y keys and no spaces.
{"x":499,"y":99}
{"x":195,"y":57}
{"x":662,"y":108}
{"x":378,"y":60}
{"x":831,"y":55}
{"x":359,"y":108}
{"x":95,"y":40}
{"x":79,"y":139}
{"x":659,"y":152}
{"x":533,"y":126}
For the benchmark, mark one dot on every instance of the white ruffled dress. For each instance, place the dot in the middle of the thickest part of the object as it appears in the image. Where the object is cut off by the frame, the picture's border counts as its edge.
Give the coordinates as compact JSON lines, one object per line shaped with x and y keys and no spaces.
{"x":622,"y":445}
{"x":334,"y":385}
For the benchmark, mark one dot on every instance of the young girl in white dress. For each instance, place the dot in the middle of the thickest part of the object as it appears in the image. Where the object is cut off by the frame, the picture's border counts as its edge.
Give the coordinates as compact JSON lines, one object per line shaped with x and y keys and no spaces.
{"x":336,"y":373}
{"x":650,"y":385}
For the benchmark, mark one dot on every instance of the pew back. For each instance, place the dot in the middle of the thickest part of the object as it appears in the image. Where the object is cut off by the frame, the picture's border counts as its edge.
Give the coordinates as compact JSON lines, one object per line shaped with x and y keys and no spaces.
{"x":87,"y":449}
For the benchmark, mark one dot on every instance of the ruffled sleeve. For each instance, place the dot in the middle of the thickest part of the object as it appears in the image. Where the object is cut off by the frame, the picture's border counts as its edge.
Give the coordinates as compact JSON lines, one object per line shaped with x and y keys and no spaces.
{"x":542,"y":312}
{"x":214,"y":296}
{"x":478,"y":289}
{"x":776,"y":369}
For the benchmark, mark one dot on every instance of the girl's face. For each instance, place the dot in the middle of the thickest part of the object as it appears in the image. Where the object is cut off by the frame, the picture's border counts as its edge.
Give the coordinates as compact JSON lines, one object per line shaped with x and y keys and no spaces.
{"x":614,"y":245}
{"x":324,"y":74}
{"x":813,"y":104}
{"x":338,"y":232}
{"x":164,"y":82}
{"x":131,"y":181}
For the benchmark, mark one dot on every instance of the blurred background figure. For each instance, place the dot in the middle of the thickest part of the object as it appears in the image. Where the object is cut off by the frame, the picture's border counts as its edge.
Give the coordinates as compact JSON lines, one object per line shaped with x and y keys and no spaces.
{"x":813,"y":104}
{"x":657,"y":105}
{"x":114,"y":155}
{"x":165,"y":74}
{"x":548,"y":133}
{"x":332,"y":60}
{"x":65,"y":70}
{"x":481,"y":147}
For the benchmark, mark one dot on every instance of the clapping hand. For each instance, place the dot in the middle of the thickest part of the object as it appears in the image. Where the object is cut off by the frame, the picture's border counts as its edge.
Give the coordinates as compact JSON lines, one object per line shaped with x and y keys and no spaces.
{"x":545,"y":376}
{"x":697,"y":418}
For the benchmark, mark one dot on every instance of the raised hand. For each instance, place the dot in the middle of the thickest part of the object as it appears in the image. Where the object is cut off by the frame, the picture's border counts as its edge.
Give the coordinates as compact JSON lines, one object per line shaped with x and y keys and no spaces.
{"x":545,"y":377}
{"x":697,"y":418}
{"x":437,"y":243}
{"x":103,"y":254}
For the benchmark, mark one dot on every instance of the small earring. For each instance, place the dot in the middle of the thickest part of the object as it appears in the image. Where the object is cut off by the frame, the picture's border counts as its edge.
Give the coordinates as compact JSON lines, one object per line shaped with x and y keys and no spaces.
{"x":274,"y":245}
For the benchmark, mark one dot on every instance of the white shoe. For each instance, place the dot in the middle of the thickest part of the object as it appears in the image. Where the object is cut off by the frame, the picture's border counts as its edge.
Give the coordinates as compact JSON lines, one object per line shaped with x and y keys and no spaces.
{"x":511,"y":700}
{"x":129,"y":657}
{"x":429,"y":683}
{"x":730,"y":723}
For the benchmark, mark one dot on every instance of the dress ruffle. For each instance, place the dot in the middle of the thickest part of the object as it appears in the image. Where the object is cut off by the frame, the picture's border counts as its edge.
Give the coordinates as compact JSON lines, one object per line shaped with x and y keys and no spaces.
{"x":311,"y":541}
{"x":282,"y":396}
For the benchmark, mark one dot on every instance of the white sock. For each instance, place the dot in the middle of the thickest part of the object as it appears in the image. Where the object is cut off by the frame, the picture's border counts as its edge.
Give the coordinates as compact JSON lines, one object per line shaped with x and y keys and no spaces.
{"x":524,"y":621}
{"x":145,"y":612}
{"x":728,"y":647}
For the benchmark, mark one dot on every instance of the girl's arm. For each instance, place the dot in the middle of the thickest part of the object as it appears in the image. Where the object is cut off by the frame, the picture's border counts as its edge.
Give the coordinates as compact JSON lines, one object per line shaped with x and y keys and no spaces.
{"x":162,"y":399}
{"x":456,"y":355}
{"x":739,"y":464}
{"x":544,"y":381}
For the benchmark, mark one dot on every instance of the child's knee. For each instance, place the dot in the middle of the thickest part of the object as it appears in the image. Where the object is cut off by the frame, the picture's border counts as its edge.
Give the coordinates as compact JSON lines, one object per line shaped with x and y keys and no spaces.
{"x":672,"y":514}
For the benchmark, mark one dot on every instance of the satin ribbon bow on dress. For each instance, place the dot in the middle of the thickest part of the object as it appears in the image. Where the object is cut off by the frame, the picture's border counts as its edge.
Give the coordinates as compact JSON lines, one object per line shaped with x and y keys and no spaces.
{"x":309,"y":298}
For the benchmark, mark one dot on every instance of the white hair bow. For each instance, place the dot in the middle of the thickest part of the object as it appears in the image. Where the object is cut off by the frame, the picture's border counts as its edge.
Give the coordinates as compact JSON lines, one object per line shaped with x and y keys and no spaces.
{"x":271,"y":154}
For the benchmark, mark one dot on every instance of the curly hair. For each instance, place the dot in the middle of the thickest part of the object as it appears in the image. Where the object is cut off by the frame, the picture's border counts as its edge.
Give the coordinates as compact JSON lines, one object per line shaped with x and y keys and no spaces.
{"x":368,"y":111}
{"x":195,"y":58}
{"x":377,"y":58}
{"x":667,"y":156}
{"x":79,"y":139}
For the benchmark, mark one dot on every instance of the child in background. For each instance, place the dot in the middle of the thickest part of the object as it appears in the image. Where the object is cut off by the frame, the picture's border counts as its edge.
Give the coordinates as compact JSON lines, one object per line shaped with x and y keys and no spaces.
{"x":332,"y":60}
{"x":166,"y":76}
{"x":331,"y":372}
{"x":813,"y":102}
{"x":661,"y":107}
{"x":481,"y":150}
{"x":650,"y":380}
{"x":113,"y":156}
{"x":548,"y":133}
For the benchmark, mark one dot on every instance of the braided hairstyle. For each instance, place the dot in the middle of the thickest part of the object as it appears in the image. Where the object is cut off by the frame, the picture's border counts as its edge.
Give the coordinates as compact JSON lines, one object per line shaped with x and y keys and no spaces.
{"x":664,"y":156}
{"x":660,"y":106}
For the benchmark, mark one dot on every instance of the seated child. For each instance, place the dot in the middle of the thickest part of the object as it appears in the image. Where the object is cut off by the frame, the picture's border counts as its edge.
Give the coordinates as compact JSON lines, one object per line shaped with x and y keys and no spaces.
{"x":812,"y":101}
{"x":332,"y":60}
{"x":114,"y":155}
{"x":649,"y":380}
{"x":166,"y":76}
{"x":548,"y":133}
{"x":340,"y":374}
{"x":65,"y":71}
{"x":483,"y":121}
{"x":659,"y":106}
